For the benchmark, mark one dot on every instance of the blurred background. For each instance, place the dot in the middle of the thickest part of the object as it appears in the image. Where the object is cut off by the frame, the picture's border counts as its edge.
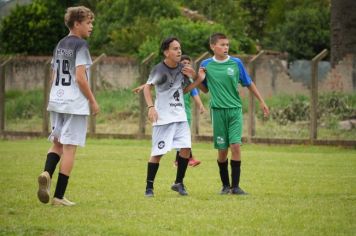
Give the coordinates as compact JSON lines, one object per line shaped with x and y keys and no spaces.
{"x":276,"y":39}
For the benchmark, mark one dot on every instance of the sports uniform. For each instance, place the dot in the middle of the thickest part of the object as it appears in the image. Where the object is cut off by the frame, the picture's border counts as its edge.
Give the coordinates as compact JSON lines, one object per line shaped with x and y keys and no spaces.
{"x":222,"y":79}
{"x":171,"y":130}
{"x":68,"y":106}
{"x":188,"y":107}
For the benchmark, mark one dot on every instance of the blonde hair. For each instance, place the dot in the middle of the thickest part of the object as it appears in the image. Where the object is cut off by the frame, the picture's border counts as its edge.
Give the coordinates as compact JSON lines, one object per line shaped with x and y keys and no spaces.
{"x":78,"y":14}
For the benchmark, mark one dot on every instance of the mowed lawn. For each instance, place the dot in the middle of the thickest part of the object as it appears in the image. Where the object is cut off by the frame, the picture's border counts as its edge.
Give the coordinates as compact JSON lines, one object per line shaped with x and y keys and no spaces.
{"x":293,"y":190}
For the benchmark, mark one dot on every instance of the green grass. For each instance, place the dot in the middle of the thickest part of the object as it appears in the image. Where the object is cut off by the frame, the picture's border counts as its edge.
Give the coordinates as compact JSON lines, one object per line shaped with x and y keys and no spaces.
{"x":294,"y":190}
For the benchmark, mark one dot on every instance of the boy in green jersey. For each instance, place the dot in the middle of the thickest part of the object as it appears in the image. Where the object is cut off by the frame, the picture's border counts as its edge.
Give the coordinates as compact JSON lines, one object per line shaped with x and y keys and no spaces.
{"x":222,"y":75}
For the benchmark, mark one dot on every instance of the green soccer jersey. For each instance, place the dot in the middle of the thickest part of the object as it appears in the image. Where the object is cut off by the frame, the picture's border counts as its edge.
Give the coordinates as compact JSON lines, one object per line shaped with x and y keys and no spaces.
{"x":222,"y":79}
{"x":188,"y":106}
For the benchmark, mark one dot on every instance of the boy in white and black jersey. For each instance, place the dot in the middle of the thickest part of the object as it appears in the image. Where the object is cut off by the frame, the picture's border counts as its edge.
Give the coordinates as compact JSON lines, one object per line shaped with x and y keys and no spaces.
{"x":170,"y":126}
{"x":69,"y":102}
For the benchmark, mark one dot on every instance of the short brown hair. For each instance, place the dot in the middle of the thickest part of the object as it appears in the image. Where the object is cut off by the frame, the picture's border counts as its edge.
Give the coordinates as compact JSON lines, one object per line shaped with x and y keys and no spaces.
{"x":185,"y":57}
{"x":216,"y":36}
{"x":79,"y":14}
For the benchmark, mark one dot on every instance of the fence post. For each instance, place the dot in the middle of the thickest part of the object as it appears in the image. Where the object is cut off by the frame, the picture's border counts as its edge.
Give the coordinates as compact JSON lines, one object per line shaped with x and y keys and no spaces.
{"x":196,"y":113}
{"x":2,"y":94}
{"x":251,"y":99}
{"x":93,"y":78}
{"x":46,"y":89}
{"x":314,"y":95}
{"x":144,"y":73}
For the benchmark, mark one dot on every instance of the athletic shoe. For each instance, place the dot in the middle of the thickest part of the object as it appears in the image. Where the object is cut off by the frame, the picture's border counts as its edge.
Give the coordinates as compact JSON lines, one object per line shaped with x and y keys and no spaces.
{"x":225,"y":190}
{"x":193,"y":162}
{"x":238,"y":191}
{"x":149,"y":192}
{"x":179,"y":187}
{"x":44,"y":185}
{"x":62,"y":202}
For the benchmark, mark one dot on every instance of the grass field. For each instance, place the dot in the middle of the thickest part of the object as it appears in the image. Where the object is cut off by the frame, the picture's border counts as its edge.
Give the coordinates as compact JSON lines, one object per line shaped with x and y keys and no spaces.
{"x":293,"y":190}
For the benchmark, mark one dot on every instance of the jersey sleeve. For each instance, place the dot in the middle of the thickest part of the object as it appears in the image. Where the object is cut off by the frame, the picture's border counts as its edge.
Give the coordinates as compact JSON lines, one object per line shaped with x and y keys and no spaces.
{"x":194,"y":92}
{"x":83,"y":55}
{"x":204,"y":64}
{"x":245,"y":79}
{"x":156,"y":77}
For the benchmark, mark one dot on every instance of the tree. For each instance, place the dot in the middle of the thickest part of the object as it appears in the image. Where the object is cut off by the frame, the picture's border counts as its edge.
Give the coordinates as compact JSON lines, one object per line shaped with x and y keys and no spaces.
{"x":122,"y":25}
{"x":343,"y":29}
{"x":35,"y":28}
{"x":303,"y":34}
{"x":194,"y":36}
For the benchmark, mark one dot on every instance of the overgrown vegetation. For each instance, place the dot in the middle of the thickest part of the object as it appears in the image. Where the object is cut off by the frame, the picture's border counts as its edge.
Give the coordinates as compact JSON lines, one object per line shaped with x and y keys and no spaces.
{"x":331,"y":107}
{"x":135,"y":28}
{"x":120,"y":111}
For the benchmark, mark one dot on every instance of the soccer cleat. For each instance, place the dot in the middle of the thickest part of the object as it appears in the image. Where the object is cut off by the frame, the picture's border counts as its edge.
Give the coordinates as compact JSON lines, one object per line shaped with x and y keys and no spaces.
{"x":225,"y":190}
{"x":44,"y":185}
{"x":238,"y":191}
{"x":193,"y":162}
{"x":149,"y":192}
{"x":62,"y":202}
{"x":179,"y":187}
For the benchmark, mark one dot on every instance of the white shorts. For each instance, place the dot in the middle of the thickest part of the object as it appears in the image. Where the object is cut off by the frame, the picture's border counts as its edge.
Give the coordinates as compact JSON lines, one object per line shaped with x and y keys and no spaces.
{"x":169,"y":136}
{"x":68,"y":128}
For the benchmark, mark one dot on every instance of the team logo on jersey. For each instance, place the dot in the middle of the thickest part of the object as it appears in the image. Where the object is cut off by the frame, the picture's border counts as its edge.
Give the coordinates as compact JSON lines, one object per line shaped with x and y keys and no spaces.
{"x":176,"y":96}
{"x":220,"y":140}
{"x":230,"y":71}
{"x":60,"y":93}
{"x":161,"y":144}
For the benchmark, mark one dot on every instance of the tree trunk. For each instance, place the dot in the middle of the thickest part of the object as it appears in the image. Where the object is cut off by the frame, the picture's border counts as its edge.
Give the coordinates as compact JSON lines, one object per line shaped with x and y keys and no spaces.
{"x":343,"y":29}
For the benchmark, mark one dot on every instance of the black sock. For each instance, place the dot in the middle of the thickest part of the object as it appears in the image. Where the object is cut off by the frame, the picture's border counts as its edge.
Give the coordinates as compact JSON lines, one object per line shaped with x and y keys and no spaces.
{"x":235,"y":173}
{"x":61,"y":186}
{"x":224,"y":172}
{"x":177,"y":156}
{"x":152,"y":169}
{"x":191,"y":154}
{"x":181,"y":169}
{"x":51,"y":162}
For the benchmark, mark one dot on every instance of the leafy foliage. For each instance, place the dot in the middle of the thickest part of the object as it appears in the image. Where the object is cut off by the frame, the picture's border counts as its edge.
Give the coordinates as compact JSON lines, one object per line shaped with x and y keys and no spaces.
{"x":331,"y":106}
{"x":304,"y":33}
{"x":122,"y":26}
{"x":33,"y":29}
{"x":194,"y":36}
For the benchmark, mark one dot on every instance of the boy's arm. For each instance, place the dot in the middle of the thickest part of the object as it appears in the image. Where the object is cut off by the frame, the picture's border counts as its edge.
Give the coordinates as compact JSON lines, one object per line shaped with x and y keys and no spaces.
{"x":84,"y":87}
{"x":197,"y":82}
{"x":199,"y":103}
{"x":152,"y":113}
{"x":257,"y":94}
{"x":202,"y":86}
{"x":138,"y":89}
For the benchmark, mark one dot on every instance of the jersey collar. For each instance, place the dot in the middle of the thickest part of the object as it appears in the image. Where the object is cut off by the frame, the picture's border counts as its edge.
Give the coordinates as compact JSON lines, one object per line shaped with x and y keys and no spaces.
{"x":221,"y":61}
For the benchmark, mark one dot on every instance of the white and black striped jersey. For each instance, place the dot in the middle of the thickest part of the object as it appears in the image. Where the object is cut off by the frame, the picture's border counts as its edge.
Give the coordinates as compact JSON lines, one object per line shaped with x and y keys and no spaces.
{"x":65,"y":95}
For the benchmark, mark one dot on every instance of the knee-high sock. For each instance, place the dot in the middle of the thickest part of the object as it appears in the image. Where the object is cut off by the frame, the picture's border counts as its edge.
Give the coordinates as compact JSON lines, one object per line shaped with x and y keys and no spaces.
{"x":61,"y":186}
{"x":181,"y":169}
{"x":152,"y":169}
{"x":51,"y":162}
{"x":235,"y":173}
{"x":224,"y":172}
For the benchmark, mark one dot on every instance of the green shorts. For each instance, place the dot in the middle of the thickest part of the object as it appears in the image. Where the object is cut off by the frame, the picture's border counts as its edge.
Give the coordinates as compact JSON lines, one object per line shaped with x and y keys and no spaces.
{"x":227,"y":126}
